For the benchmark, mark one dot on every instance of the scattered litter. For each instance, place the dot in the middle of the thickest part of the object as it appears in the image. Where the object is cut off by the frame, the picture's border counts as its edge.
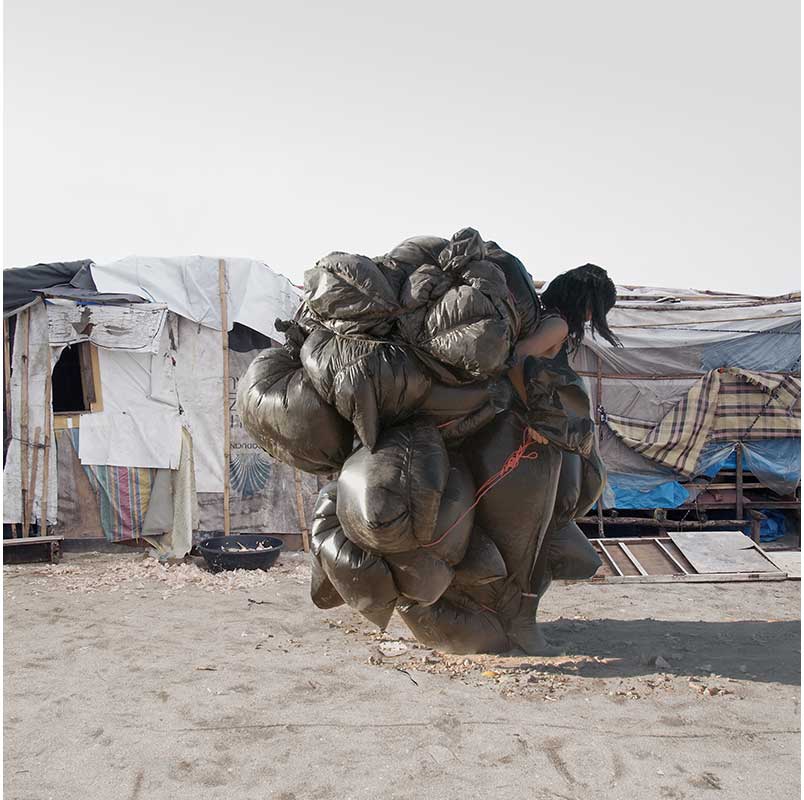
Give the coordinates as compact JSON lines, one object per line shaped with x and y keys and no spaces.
{"x":207,"y":669}
{"x":661,"y":663}
{"x":132,"y":572}
{"x":405,"y":672}
{"x":392,"y":649}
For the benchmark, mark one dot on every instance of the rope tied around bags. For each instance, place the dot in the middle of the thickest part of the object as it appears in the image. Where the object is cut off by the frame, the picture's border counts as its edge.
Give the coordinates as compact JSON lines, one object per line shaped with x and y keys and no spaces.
{"x":529,"y":439}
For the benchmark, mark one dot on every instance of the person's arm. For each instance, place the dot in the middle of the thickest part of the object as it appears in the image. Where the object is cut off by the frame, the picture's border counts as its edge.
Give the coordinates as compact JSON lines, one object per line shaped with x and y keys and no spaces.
{"x":545,"y":342}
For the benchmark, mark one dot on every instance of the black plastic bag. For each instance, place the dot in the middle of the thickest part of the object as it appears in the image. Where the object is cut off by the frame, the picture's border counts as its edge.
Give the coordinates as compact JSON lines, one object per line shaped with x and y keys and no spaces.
{"x":520,"y":284}
{"x":362,"y":579}
{"x":374,"y":384}
{"x":455,"y":624}
{"x":482,"y":562}
{"x":285,"y":415}
{"x":419,"y":575}
{"x":388,"y":500}
{"x":456,"y":513}
{"x":350,"y":294}
{"x":516,"y":512}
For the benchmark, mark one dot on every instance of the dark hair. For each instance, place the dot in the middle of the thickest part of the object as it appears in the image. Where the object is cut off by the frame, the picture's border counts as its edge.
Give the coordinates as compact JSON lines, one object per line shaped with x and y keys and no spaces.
{"x":577,"y":292}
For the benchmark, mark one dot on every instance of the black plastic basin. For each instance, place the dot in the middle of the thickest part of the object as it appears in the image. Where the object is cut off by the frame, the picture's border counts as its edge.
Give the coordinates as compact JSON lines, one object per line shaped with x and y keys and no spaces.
{"x":239,"y":551}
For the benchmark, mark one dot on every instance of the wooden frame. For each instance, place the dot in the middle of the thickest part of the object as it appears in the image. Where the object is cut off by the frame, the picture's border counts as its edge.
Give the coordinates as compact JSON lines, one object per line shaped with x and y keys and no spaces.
{"x":603,"y":547}
{"x":91,"y":385}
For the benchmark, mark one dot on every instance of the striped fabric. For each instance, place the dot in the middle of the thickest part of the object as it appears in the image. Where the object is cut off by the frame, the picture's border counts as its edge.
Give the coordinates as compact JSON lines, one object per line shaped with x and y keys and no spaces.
{"x":726,"y":405}
{"x":123,"y":496}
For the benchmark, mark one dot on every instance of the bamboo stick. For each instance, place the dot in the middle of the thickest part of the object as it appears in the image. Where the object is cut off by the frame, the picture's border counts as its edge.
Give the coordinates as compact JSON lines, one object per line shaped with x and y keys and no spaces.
{"x":7,"y":379}
{"x":48,"y":423}
{"x":226,"y":423}
{"x":25,"y":320}
{"x":32,"y":490}
{"x":300,"y":511}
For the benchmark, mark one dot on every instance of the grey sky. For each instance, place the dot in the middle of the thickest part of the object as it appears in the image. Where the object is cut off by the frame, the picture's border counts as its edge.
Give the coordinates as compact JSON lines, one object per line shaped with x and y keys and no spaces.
{"x":660,"y":140}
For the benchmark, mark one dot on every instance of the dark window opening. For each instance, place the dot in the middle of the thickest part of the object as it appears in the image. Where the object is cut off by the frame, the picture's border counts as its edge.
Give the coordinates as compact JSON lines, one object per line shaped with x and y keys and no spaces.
{"x":73,"y":386}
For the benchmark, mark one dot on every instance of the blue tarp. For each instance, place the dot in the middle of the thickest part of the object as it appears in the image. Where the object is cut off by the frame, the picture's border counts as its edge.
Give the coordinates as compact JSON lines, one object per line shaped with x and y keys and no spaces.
{"x":776,"y":462}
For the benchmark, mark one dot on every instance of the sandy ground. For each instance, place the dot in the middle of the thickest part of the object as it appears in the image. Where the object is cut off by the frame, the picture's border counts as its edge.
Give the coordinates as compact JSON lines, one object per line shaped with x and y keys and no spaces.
{"x":124,"y":680}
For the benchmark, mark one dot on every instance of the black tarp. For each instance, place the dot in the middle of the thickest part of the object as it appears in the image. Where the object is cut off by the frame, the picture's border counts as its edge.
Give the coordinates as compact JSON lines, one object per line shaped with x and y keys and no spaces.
{"x":20,"y":284}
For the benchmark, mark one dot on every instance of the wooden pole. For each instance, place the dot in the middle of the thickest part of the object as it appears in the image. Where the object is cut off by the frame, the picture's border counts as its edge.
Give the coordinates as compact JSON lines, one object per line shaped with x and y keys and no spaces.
{"x":7,"y":379}
{"x":7,"y":388}
{"x":48,"y":422}
{"x":24,"y":439}
{"x":300,"y":511}
{"x":226,"y":423}
{"x":739,"y":481}
{"x":598,"y":403}
{"x":32,"y":490}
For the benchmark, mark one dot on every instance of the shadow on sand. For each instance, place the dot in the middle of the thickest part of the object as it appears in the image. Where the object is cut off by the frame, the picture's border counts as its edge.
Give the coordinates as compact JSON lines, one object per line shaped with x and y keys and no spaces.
{"x":766,"y":651}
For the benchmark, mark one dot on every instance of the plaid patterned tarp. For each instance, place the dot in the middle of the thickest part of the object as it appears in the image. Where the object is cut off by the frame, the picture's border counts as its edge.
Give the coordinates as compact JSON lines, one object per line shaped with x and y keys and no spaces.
{"x":726,"y":405}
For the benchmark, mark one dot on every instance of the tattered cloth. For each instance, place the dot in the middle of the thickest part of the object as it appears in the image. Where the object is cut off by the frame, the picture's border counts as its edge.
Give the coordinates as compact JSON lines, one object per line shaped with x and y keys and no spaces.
{"x":726,"y":405}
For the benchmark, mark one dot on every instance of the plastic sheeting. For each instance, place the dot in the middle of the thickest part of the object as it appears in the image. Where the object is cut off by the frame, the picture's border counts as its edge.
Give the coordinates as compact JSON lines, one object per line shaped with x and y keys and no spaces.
{"x":140,"y":424}
{"x":190,"y":287}
{"x":774,"y":462}
{"x":20,"y":284}
{"x":116,"y":327}
{"x":678,"y":342}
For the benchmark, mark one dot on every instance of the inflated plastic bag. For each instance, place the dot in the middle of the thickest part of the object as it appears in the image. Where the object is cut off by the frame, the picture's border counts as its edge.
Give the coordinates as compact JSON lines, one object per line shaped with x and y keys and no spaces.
{"x":516,"y":512}
{"x":456,"y":513}
{"x":455,"y":624}
{"x":350,"y":294}
{"x":482,"y":562}
{"x":388,"y":500}
{"x":284,"y":414}
{"x":322,"y":592}
{"x":520,"y":284}
{"x":460,"y":312}
{"x":419,"y":575}
{"x":374,"y":384}
{"x":362,"y":579}
{"x":457,"y":411}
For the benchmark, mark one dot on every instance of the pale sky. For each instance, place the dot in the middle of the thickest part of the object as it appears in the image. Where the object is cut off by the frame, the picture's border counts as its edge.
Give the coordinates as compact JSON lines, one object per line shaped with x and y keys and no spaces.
{"x":659,"y":140}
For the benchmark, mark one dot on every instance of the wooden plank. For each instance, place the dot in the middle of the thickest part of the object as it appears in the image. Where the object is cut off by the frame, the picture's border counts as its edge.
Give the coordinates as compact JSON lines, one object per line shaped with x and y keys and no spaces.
{"x":25,"y":321}
{"x":601,"y":548}
{"x":631,"y":558}
{"x":623,"y":562}
{"x":32,"y":540}
{"x":787,"y":561}
{"x":87,"y":378}
{"x":7,"y":377}
{"x":46,"y":456}
{"x":667,"y":552}
{"x":652,"y":558}
{"x":32,"y":489}
{"x":722,"y":577}
{"x":722,"y":551}
{"x":227,"y":522}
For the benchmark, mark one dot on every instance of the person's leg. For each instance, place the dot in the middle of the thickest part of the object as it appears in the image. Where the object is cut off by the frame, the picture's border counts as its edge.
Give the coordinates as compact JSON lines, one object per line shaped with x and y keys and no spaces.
{"x":571,"y":555}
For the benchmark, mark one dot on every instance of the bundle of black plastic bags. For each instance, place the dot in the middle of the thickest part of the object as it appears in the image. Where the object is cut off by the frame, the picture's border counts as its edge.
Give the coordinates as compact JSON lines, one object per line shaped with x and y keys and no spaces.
{"x":390,"y":378}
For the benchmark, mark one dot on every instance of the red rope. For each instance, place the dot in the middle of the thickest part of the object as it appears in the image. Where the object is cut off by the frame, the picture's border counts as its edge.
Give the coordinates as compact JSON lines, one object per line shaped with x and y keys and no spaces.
{"x":510,"y":464}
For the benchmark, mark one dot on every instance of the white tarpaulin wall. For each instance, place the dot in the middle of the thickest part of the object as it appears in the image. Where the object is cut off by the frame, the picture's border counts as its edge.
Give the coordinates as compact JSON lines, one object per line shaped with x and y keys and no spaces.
{"x":190,"y":287}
